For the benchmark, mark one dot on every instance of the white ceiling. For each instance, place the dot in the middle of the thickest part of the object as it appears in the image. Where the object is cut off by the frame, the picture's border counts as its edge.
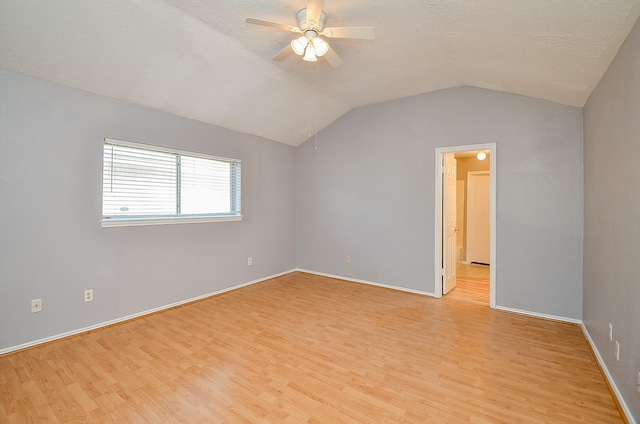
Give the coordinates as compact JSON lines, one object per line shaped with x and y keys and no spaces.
{"x":199,"y":59}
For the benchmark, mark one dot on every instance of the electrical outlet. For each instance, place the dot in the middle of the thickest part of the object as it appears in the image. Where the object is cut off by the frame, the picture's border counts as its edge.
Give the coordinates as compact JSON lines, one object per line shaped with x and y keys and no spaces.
{"x":36,"y":305}
{"x":348,"y":259}
{"x":250,"y":261}
{"x":617,"y":351}
{"x":610,"y":332}
{"x":88,"y":295}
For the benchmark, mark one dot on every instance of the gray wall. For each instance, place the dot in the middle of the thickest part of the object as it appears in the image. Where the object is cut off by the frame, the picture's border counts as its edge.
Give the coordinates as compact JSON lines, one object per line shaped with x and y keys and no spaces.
{"x":368,"y":192}
{"x":51,"y":243}
{"x":612,"y":217}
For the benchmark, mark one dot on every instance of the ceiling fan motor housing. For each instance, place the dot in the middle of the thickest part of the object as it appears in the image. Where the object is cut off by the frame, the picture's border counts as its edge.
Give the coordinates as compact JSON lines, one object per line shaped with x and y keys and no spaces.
{"x":305,"y":25}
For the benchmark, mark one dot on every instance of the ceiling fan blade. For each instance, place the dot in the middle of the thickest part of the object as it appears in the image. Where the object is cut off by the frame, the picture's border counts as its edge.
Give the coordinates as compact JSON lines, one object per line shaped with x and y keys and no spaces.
{"x":332,"y":58}
{"x":314,"y":10}
{"x":283,"y":53}
{"x":271,"y":24}
{"x":361,"y":33}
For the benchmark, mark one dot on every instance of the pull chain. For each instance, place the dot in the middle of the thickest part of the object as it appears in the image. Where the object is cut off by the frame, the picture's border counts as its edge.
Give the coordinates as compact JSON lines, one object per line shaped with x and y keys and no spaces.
{"x":310,"y":98}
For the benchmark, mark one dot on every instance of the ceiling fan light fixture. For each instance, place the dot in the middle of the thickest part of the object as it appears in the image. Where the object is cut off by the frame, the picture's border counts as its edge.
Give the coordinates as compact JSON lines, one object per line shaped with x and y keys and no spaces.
{"x":310,"y":54}
{"x":312,"y":24}
{"x":298,"y":45}
{"x":320,"y":46}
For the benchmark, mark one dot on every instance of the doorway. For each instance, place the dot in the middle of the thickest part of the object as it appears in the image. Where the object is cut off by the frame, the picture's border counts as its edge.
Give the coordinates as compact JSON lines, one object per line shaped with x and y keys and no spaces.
{"x":459,"y":245}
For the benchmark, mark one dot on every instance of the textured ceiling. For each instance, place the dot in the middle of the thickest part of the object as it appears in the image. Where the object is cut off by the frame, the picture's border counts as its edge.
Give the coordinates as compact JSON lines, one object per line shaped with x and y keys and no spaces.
{"x":199,"y":59}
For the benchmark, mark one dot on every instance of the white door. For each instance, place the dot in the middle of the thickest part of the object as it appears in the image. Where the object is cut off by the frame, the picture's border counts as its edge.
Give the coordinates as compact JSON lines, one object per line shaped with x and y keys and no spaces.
{"x":449,"y":213}
{"x":478,"y":217}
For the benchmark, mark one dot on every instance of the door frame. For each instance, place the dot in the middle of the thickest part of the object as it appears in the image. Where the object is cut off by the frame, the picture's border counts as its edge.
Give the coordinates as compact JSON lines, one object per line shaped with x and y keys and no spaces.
{"x":438,"y":270}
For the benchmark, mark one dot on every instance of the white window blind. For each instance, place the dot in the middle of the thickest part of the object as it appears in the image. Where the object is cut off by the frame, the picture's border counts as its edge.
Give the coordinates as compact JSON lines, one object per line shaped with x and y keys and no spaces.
{"x":147,"y":185}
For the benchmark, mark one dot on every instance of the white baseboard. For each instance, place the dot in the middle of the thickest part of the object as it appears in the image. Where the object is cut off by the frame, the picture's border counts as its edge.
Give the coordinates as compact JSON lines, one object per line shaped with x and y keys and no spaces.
{"x":612,"y":384}
{"x":136,"y":315}
{"x":539,"y":315}
{"x":371,"y":283}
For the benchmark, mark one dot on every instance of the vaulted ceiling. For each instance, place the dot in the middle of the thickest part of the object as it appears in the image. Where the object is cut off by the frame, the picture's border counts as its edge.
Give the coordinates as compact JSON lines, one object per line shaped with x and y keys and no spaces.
{"x":199,"y":59}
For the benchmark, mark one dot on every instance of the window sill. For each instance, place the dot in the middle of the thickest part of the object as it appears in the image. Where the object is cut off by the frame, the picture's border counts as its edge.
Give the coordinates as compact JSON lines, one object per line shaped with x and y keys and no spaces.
{"x":135,"y":222}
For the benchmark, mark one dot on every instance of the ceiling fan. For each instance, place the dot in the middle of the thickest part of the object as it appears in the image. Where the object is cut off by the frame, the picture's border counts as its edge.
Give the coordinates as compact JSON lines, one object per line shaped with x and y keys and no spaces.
{"x":311,"y":25}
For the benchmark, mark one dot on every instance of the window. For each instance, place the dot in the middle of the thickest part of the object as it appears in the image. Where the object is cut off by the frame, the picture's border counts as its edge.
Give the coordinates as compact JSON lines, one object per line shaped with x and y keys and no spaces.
{"x":145,"y":185}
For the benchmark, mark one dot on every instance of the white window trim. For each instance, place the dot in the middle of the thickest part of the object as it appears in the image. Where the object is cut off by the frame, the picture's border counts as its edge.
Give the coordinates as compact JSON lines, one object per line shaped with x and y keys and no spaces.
{"x":141,"y":221}
{"x":134,"y":222}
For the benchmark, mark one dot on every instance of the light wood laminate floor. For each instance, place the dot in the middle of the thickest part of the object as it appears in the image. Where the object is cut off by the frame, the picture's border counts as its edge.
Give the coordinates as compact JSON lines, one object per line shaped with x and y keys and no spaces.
{"x":470,"y":290}
{"x":473,"y":271}
{"x":303,"y":348}
{"x":472,"y":284}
